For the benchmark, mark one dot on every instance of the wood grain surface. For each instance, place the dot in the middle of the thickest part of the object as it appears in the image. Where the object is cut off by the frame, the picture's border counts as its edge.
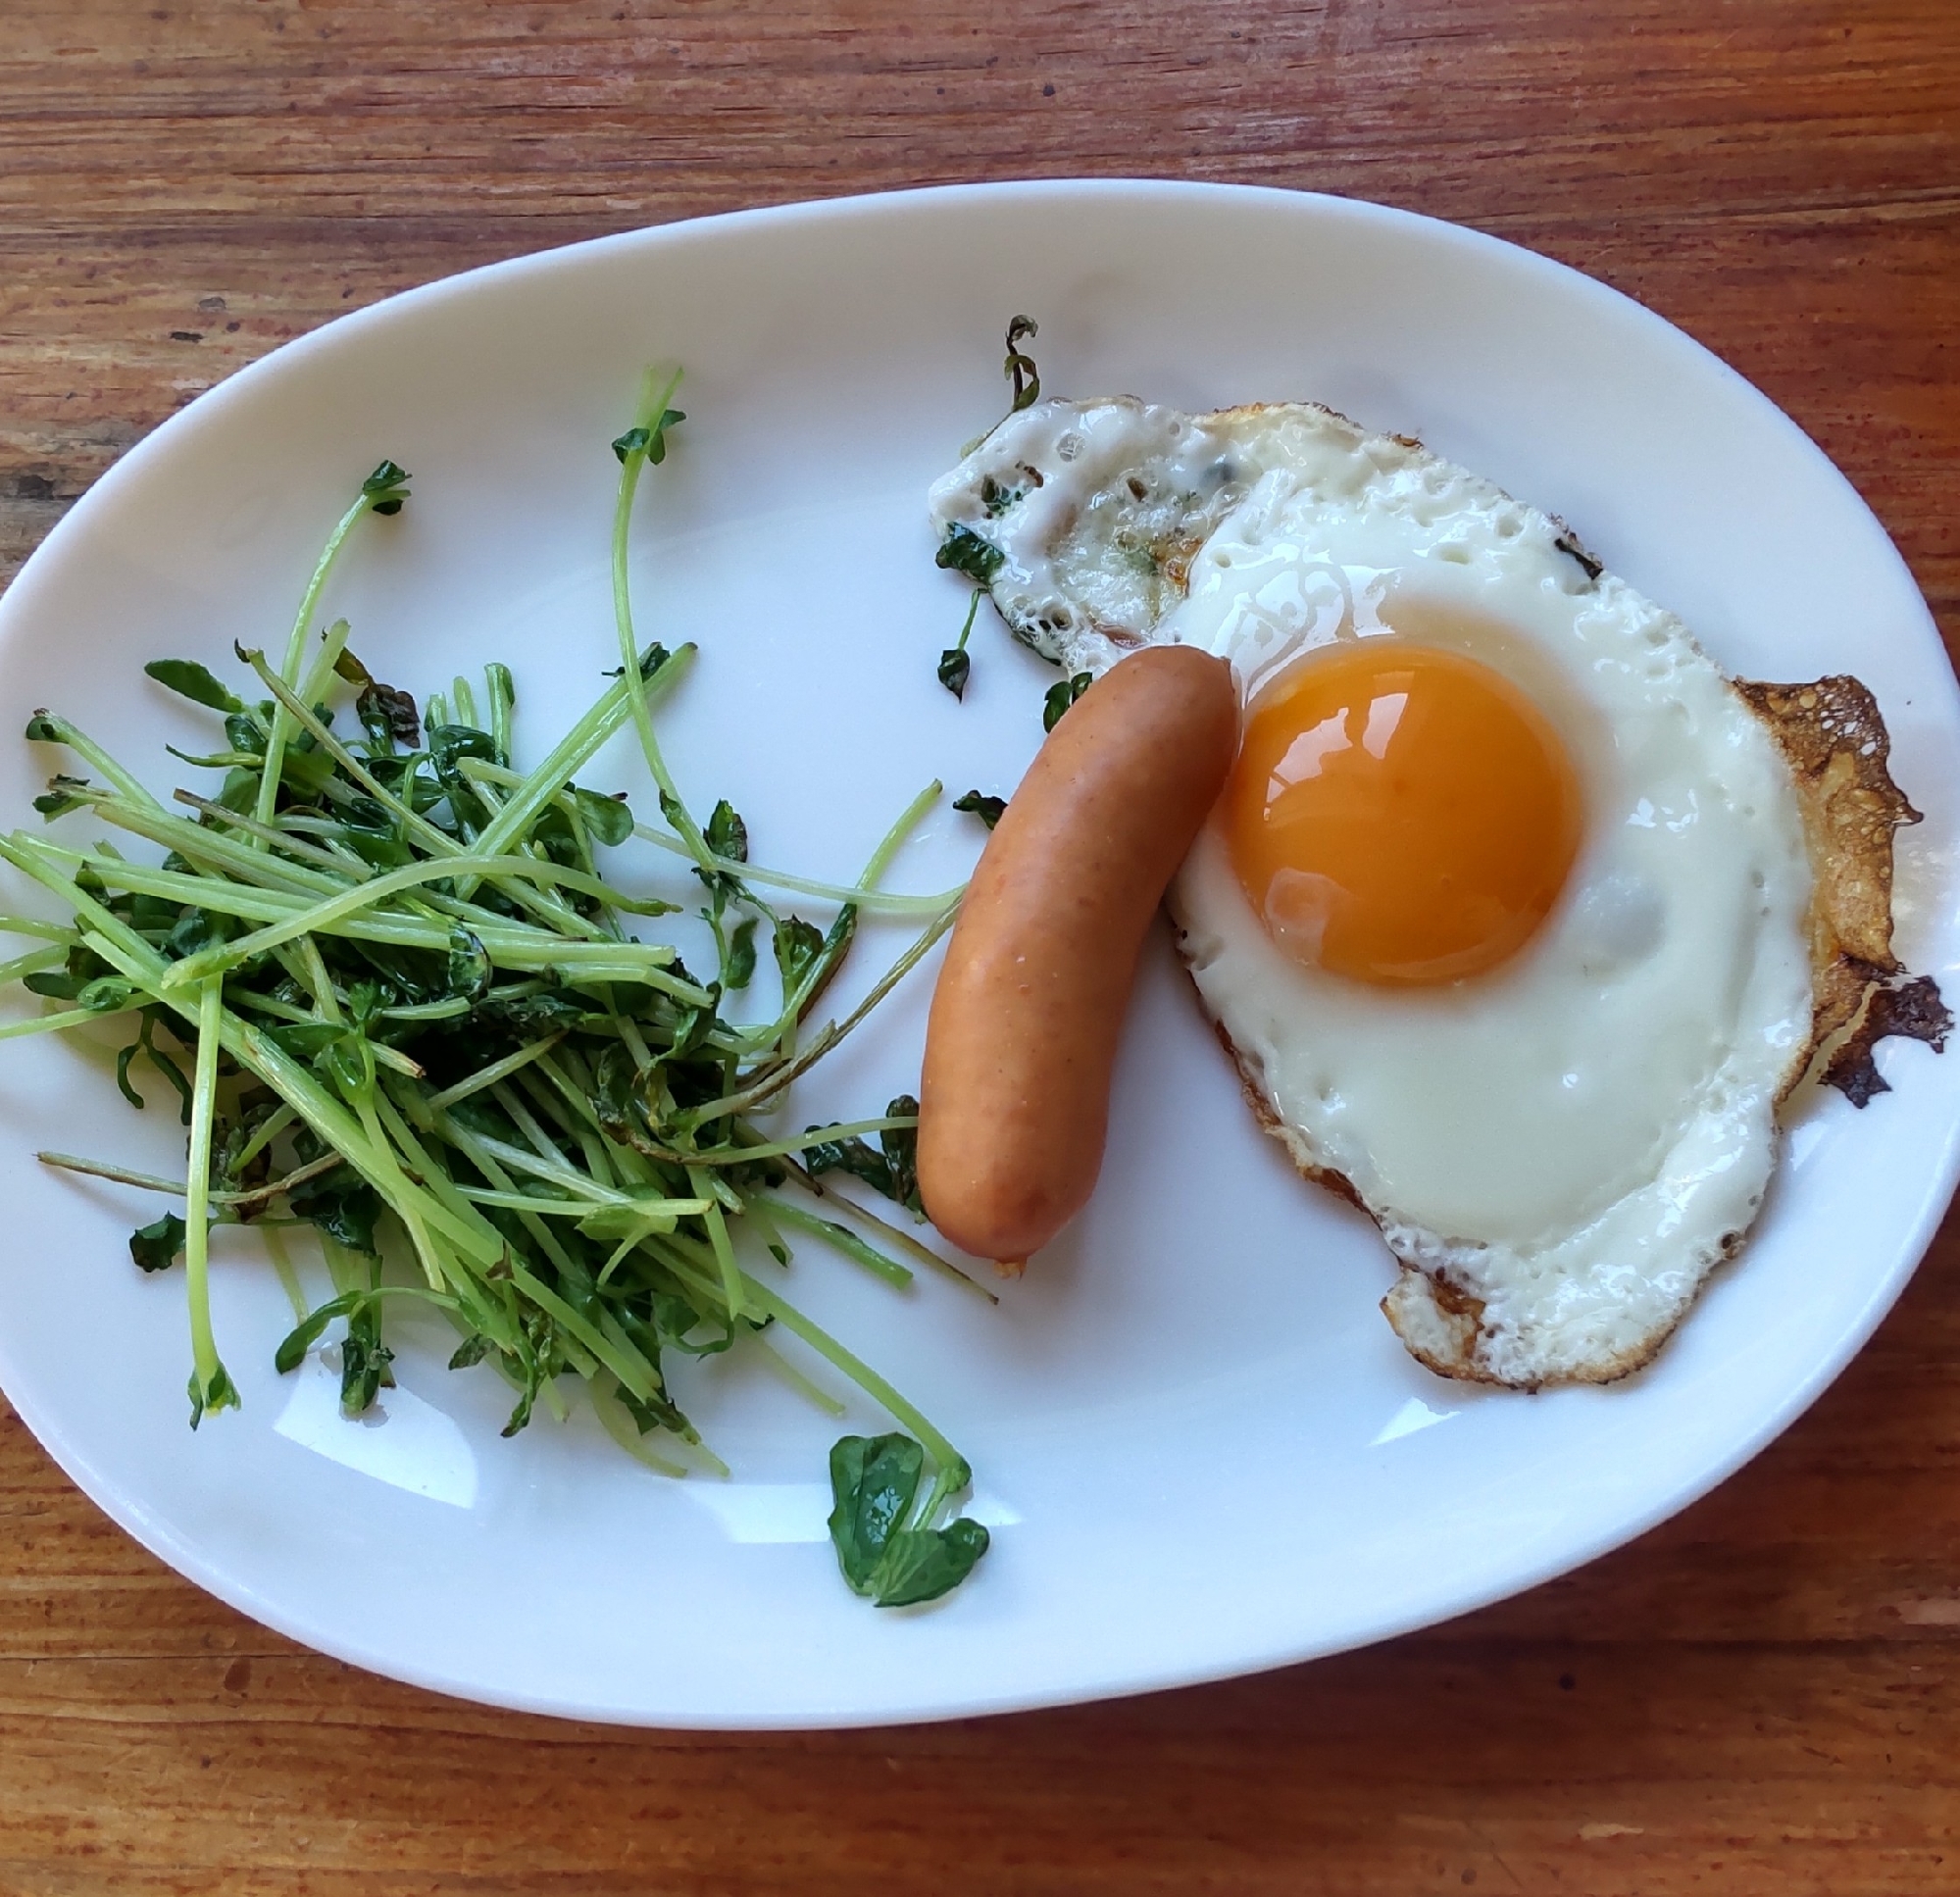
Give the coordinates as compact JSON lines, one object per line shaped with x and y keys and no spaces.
{"x":1761,"y":1697}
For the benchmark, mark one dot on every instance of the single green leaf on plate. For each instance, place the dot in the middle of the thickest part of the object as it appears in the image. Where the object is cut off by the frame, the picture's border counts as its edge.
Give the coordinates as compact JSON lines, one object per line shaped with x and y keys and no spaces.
{"x":955,"y":668}
{"x":874,"y":1483}
{"x":1061,"y":696}
{"x":155,"y":1247}
{"x":189,"y":679}
{"x":385,"y":488}
{"x":989,"y":810}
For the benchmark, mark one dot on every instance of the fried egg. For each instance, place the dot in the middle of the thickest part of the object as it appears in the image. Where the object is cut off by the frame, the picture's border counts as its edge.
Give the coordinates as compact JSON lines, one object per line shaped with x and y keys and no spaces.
{"x":1506,"y":912}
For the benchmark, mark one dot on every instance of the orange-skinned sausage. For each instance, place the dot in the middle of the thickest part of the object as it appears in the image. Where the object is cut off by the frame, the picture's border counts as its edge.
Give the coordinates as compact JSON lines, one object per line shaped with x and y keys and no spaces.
{"x":1021,"y":1045}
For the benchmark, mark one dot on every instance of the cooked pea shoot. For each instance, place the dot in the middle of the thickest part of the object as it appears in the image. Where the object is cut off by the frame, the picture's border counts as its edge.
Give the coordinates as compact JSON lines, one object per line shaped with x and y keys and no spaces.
{"x":400,"y":998}
{"x":956,"y":663}
{"x":977,"y":803}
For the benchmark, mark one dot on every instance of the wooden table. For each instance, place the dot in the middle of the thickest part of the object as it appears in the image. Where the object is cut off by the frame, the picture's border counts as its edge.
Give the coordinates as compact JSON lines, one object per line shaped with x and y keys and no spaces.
{"x":1762,"y":1696}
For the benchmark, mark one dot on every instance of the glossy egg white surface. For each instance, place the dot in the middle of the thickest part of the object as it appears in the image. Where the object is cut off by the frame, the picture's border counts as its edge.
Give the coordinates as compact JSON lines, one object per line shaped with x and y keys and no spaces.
{"x":1200,"y":1447}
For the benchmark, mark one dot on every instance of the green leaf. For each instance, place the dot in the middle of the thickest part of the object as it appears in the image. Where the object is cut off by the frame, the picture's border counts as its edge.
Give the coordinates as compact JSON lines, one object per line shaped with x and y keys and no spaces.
{"x":308,"y":1331}
{"x":388,"y":717}
{"x":955,"y":668}
{"x":850,"y":1156}
{"x":1061,"y":696}
{"x":195,"y":929}
{"x":1021,"y":372}
{"x":989,"y":810}
{"x":155,"y":1247}
{"x":962,"y":551}
{"x":53,"y":985}
{"x":109,"y":995}
{"x":808,"y":956}
{"x":306,"y":1041}
{"x":306,"y":772}
{"x":996,"y":498}
{"x":343,"y":1205}
{"x":42,"y":729}
{"x":922,"y":1564}
{"x":872,"y":1482}
{"x":384,"y":489}
{"x":350,"y":1063}
{"x":220,"y":1393}
{"x":364,"y":1360}
{"x":607,"y":818}
{"x":739,"y":968}
{"x":651,"y":442}
{"x":472,"y":1350}
{"x":797,"y":945}
{"x":189,"y":679}
{"x":60,"y":797}
{"x":726,"y":834}
{"x":468,"y":970}
{"x":901,"y":1146}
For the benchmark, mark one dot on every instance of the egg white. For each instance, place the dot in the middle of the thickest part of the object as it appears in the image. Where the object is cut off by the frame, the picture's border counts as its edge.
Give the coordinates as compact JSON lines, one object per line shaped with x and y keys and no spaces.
{"x":1559,"y":1151}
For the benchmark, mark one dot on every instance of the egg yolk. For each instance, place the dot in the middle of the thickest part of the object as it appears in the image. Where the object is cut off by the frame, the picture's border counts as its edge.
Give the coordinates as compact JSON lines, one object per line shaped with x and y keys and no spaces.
{"x":1398,"y":814}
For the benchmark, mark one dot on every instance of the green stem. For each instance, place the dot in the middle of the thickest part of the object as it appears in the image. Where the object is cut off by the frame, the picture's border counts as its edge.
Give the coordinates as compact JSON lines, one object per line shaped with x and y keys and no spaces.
{"x":210,"y":1387}
{"x":276,"y":739}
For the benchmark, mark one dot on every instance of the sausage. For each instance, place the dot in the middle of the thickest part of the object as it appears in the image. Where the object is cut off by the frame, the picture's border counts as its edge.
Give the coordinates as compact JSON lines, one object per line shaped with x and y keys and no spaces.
{"x":1020,"y":1043}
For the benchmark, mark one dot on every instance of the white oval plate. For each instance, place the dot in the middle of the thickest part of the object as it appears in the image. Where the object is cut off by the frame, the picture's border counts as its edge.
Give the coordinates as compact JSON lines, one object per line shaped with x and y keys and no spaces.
{"x":1201,"y":1448}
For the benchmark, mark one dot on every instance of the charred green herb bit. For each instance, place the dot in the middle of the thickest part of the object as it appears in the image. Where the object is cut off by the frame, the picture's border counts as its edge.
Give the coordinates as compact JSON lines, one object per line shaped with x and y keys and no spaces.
{"x":1022,"y":375}
{"x":157,"y":1247}
{"x":1062,"y":695}
{"x":989,"y":810}
{"x":401,"y":1000}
